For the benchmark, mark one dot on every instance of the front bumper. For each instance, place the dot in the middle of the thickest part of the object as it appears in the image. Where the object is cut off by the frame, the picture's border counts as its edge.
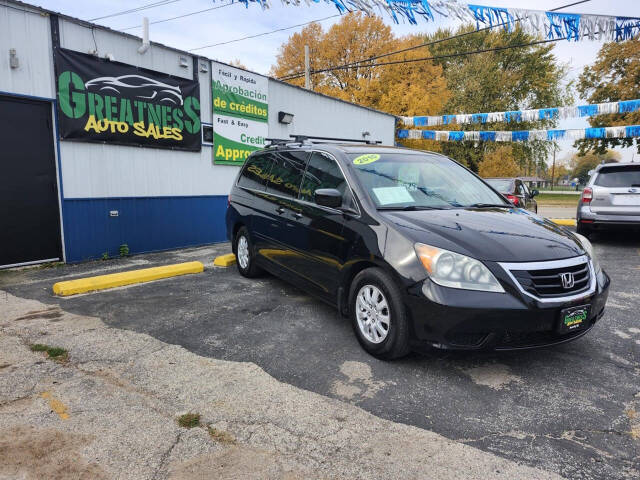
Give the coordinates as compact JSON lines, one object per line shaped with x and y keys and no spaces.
{"x":450,"y":318}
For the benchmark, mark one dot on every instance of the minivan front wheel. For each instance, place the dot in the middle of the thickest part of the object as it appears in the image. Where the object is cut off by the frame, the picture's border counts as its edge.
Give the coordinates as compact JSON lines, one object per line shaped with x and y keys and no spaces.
{"x":378,"y":315}
{"x":245,"y":258}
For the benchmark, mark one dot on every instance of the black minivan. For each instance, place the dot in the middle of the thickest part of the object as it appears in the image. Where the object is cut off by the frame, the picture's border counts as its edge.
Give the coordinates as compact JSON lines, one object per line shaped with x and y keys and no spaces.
{"x":415,"y":248}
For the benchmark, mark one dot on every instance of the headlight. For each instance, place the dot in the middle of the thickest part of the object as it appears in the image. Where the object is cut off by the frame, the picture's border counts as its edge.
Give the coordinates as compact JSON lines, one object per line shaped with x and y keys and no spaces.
{"x":586,"y":244}
{"x":451,"y":269}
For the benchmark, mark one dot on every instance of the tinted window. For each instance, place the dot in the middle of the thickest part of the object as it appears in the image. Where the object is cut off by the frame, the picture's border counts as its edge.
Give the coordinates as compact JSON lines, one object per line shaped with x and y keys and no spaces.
{"x":323,"y":172}
{"x":286,"y":173}
{"x":500,"y":184}
{"x":255,"y":172}
{"x":619,"y":177}
{"x":522,"y":191}
{"x":398,"y":180}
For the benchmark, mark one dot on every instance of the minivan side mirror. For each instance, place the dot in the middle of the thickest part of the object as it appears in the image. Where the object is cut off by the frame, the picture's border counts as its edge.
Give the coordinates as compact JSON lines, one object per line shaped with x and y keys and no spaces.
{"x":534,"y":193}
{"x":328,"y":197}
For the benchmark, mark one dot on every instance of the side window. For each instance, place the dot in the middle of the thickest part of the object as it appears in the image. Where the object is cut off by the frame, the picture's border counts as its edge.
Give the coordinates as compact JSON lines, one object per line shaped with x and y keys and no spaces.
{"x":323,"y":172}
{"x":286,"y":173}
{"x":255,"y":172}
{"x":520,"y":189}
{"x":526,"y":190}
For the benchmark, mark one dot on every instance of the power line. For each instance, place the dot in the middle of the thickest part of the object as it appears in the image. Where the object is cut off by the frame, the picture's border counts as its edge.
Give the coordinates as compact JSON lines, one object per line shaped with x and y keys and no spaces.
{"x":453,"y":37}
{"x":136,"y":9}
{"x":180,"y":16}
{"x":437,"y":57}
{"x":264,"y":33}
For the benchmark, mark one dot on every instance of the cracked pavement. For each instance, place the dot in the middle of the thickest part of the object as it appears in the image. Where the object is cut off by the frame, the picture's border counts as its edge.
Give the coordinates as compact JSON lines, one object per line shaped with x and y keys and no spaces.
{"x":569,"y":410}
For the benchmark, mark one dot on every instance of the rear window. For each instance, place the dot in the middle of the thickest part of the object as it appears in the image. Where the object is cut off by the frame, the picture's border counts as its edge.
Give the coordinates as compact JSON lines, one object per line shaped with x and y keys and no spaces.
{"x":618,"y":177}
{"x":500,"y":184}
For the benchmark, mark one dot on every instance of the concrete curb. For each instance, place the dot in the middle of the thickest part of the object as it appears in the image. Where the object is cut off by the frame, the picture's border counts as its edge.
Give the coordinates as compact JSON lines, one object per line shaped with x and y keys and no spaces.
{"x":102,"y":282}
{"x":567,"y":222}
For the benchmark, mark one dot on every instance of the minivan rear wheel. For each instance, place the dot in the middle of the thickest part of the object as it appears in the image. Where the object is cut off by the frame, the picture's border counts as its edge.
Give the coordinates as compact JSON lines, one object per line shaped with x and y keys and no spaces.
{"x":245,"y":258}
{"x":378,"y":315}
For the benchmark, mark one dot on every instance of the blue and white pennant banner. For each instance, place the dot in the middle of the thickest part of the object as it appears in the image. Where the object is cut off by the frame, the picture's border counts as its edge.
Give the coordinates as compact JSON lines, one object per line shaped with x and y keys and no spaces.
{"x":631,"y":131}
{"x":533,"y":115}
{"x":572,"y":26}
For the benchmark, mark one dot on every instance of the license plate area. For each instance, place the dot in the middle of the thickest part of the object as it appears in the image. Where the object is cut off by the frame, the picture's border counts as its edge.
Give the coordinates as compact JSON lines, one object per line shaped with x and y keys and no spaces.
{"x":626,"y":199}
{"x":573,"y":318}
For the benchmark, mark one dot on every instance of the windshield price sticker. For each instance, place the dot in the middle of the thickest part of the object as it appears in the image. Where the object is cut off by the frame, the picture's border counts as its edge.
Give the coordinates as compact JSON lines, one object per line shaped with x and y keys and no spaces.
{"x":366,"y":159}
{"x":393,"y":195}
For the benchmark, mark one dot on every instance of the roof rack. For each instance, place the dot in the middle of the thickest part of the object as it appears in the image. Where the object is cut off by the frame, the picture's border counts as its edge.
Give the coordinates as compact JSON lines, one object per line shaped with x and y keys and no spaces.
{"x":275,"y":142}
{"x":311,"y":138}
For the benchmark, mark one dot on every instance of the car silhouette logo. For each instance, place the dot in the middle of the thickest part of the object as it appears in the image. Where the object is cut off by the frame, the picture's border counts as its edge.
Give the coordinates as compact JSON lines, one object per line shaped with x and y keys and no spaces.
{"x":139,"y":87}
{"x":567,"y":280}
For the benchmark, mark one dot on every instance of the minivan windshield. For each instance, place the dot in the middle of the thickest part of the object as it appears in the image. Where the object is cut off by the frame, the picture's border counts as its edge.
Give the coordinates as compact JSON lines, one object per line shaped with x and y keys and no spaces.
{"x":414,"y":181}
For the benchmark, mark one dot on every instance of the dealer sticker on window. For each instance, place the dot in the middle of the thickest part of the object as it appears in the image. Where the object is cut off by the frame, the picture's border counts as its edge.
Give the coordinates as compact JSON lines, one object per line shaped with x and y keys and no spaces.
{"x":365,"y":159}
{"x":392,"y":195}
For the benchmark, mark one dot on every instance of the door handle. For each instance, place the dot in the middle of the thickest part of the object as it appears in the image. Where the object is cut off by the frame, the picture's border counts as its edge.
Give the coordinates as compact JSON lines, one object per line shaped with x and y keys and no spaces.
{"x":297,"y":215}
{"x":280,"y":210}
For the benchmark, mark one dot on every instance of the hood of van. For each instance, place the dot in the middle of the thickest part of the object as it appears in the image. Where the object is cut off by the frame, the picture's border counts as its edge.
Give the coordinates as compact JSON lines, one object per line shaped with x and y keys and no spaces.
{"x":492,"y":234}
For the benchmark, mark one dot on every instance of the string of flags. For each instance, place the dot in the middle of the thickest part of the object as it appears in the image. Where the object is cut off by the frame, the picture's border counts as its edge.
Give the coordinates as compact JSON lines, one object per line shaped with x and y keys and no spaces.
{"x":554,"y":25}
{"x":533,"y":115}
{"x":630,"y":131}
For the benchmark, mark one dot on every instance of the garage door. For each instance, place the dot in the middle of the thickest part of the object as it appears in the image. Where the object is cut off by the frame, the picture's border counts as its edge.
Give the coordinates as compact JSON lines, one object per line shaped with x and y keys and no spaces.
{"x":29,"y":211}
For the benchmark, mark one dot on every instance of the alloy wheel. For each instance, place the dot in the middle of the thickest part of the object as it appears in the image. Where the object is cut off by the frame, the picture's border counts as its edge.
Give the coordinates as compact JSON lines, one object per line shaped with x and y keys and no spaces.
{"x":372,"y":313}
{"x":243,"y":252}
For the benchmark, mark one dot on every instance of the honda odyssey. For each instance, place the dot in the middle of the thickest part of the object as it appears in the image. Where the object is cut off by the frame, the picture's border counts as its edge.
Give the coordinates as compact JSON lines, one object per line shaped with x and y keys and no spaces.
{"x":413,"y":247}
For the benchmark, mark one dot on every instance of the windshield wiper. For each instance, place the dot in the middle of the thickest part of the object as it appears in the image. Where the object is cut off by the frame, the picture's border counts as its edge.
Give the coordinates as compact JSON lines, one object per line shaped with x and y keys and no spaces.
{"x":488,"y":205}
{"x":408,"y":208}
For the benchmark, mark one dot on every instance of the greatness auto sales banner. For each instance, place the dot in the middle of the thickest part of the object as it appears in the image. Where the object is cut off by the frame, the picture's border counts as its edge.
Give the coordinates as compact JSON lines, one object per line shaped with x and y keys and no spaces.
{"x":112,"y":102}
{"x":240,"y":113}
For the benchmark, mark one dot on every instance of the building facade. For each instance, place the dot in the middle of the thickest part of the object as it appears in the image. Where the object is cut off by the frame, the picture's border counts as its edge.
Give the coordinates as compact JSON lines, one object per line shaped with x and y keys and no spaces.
{"x":106,"y":143}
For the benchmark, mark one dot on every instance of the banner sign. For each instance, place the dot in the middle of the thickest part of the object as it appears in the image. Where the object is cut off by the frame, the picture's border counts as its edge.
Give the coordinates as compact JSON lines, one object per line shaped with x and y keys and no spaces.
{"x":112,"y":102}
{"x":240,"y":113}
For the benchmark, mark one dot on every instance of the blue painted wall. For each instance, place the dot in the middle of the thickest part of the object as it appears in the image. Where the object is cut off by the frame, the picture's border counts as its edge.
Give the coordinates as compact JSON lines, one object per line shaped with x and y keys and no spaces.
{"x":145,"y":224}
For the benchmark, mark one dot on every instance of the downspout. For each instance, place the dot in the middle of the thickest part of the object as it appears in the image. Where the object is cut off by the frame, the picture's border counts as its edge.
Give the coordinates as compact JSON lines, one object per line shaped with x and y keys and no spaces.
{"x":145,"y":36}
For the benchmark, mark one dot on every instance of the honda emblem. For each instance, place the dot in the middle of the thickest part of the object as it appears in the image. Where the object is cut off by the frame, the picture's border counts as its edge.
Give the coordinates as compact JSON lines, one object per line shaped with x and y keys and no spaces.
{"x":567,"y":280}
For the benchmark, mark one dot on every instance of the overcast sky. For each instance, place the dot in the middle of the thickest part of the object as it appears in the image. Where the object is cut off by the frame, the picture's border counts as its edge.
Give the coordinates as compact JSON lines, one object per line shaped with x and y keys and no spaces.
{"x":259,"y":54}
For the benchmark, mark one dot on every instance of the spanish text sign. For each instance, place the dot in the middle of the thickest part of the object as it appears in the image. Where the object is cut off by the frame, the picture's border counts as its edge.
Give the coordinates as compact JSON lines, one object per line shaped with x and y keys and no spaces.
{"x":112,"y":102}
{"x":240,"y":113}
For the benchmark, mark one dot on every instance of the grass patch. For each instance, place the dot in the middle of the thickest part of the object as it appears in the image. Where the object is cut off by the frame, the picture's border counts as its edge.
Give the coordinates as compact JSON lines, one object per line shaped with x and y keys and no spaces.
{"x":220,"y":436}
{"x":55,"y":353}
{"x":189,"y":420}
{"x":558,"y":199}
{"x":38,"y":347}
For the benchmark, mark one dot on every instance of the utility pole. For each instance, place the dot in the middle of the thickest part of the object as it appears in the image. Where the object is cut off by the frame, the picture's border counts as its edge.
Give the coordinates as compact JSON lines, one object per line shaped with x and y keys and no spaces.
{"x":553,"y":166}
{"x":307,"y":68}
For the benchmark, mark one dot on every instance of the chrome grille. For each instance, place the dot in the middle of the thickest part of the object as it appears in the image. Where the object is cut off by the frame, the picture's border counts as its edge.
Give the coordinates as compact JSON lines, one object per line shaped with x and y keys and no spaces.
{"x":543,"y":280}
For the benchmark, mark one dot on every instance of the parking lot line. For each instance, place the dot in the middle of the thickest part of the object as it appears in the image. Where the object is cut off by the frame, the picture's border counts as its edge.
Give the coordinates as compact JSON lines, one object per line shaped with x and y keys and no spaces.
{"x":225,"y":260}
{"x":112,"y":280}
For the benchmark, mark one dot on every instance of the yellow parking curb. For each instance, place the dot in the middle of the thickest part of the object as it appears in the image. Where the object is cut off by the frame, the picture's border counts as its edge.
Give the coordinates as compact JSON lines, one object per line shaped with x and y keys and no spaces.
{"x":567,"y":222}
{"x":101,"y":282}
{"x":225,"y":260}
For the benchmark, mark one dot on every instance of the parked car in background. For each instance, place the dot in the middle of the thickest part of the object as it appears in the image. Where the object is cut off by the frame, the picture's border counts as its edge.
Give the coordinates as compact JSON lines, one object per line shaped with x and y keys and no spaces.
{"x":516,"y":192}
{"x":413,"y":247}
{"x":611,"y":198}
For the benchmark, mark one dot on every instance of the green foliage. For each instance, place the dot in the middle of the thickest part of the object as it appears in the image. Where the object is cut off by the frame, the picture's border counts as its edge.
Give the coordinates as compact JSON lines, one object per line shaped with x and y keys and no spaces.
{"x":55,"y":353}
{"x":105,"y":256}
{"x":513,"y":79}
{"x":38,"y":347}
{"x":124,"y":250}
{"x":581,"y":165}
{"x":614,"y":76}
{"x":189,"y":420}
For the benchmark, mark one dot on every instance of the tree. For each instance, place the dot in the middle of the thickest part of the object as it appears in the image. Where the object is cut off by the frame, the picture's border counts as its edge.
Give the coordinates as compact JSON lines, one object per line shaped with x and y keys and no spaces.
{"x":499,"y":163}
{"x":237,"y":63}
{"x":402,"y":89}
{"x":582,"y":164}
{"x":614,"y":76}
{"x":512,"y":79}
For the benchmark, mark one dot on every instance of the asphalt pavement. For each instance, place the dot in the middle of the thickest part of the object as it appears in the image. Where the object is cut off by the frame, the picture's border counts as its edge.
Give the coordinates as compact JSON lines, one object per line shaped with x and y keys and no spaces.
{"x":570,"y":409}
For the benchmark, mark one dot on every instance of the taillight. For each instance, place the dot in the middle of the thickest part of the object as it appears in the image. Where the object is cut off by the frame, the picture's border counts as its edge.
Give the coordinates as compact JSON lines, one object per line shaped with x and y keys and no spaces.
{"x":587,"y":195}
{"x":512,"y":198}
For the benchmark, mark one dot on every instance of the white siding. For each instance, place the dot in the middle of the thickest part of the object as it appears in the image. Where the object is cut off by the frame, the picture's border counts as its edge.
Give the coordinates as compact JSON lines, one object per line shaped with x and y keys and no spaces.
{"x":324,"y":116}
{"x":28,"y":33}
